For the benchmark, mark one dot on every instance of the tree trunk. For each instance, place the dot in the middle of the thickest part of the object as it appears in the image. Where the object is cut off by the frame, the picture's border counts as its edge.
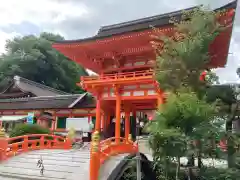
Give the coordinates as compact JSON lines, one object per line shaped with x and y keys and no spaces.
{"x":191,"y":161}
{"x":230,"y":141}
{"x":178,"y":168}
{"x":199,"y":155}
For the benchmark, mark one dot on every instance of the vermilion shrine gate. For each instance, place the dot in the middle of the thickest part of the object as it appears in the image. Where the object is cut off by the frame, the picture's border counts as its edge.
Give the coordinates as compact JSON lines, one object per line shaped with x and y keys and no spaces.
{"x":123,"y":57}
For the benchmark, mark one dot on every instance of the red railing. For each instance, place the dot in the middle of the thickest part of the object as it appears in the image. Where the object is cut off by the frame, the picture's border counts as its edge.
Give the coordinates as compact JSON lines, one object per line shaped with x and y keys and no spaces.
{"x":111,"y":147}
{"x":26,"y":143}
{"x":115,"y":76}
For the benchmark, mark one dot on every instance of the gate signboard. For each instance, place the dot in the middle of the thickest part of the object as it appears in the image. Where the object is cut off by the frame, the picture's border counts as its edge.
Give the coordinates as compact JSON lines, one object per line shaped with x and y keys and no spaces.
{"x":30,"y":118}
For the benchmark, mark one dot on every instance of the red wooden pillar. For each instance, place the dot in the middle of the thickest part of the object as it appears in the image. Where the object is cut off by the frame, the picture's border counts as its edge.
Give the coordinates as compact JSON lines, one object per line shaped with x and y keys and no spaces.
{"x":103,"y":122}
{"x":71,"y":114}
{"x":118,"y":117}
{"x":89,"y":118}
{"x":3,"y":148}
{"x":95,"y":154}
{"x":108,"y":120}
{"x":134,"y":114}
{"x":127,"y":124}
{"x":160,"y":99}
{"x":98,"y":114}
{"x":54,"y":121}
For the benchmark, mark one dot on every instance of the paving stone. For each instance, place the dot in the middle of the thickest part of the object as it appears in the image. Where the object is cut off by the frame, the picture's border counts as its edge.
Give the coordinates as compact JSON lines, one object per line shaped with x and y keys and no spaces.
{"x":58,"y":164}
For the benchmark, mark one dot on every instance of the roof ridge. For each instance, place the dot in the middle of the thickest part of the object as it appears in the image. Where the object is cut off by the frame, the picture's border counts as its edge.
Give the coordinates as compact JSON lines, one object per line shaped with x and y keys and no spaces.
{"x":143,"y":20}
{"x":10,"y":84}
{"x":151,"y":18}
{"x":19,"y":78}
{"x":41,"y":98}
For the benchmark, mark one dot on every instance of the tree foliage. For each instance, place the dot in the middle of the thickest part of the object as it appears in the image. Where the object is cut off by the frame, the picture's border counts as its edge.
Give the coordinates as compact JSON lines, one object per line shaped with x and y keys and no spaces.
{"x":187,"y":124}
{"x":185,"y":55}
{"x":34,"y":58}
{"x":183,"y":120}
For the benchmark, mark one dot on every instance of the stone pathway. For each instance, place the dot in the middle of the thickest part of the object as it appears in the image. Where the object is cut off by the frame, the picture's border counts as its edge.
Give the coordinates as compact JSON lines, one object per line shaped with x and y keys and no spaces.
{"x":58,"y":165}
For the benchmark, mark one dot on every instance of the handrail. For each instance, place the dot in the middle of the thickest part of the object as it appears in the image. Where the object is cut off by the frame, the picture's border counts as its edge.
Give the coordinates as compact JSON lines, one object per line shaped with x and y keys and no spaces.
{"x":111,"y":141}
{"x":119,"y":75}
{"x":25,"y":143}
{"x":111,"y":147}
{"x":33,"y":135}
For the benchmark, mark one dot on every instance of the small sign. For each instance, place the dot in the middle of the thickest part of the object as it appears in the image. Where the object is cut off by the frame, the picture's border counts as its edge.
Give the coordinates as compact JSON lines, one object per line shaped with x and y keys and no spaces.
{"x":30,"y":118}
{"x":150,"y":118}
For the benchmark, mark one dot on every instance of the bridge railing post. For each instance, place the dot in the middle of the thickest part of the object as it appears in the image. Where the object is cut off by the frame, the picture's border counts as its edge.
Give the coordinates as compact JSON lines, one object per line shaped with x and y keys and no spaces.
{"x":95,"y":156}
{"x":25,"y":143}
{"x":42,"y":142}
{"x":3,"y":145}
{"x":67,"y":143}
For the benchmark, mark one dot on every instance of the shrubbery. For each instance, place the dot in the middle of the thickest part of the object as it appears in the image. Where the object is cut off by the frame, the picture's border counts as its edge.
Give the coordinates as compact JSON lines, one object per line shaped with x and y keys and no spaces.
{"x":24,"y":129}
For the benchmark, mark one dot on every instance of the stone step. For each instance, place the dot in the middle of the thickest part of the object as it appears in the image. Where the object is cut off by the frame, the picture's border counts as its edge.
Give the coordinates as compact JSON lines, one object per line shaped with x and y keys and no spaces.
{"x":58,"y":165}
{"x":13,"y":176}
{"x":46,"y":161}
{"x":49,"y":167}
{"x":62,"y":158}
{"x":35,"y":172}
{"x":60,"y":153}
{"x":48,"y":173}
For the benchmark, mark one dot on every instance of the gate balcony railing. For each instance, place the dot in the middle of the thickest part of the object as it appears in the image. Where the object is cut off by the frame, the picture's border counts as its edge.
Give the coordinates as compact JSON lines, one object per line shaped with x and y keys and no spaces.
{"x":116,"y":76}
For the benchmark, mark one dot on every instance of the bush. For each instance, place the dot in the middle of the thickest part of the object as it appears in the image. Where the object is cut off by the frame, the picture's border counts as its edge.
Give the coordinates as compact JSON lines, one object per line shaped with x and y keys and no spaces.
{"x":24,"y":129}
{"x":220,"y":174}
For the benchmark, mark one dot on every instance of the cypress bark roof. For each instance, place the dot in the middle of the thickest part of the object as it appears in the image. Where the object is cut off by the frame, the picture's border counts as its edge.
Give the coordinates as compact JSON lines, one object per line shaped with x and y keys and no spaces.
{"x":49,"y":102}
{"x":141,"y":24}
{"x":21,"y":87}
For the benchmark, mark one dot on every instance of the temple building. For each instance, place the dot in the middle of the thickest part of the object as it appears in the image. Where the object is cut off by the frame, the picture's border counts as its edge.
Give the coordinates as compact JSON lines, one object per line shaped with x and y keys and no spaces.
{"x":124,"y":58}
{"x":51,"y":107}
{"x":124,"y":89}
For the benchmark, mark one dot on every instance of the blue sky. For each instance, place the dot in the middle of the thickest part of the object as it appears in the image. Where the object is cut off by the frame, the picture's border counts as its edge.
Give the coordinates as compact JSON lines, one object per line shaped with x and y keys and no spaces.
{"x":81,"y":18}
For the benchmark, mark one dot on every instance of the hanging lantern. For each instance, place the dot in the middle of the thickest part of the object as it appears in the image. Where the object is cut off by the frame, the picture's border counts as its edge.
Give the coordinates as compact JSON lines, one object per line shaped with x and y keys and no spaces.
{"x":223,"y":145}
{"x":203,"y":76}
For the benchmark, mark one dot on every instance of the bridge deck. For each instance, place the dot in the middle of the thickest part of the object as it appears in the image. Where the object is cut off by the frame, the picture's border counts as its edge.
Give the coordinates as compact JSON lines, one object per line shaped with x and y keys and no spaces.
{"x":58,"y":164}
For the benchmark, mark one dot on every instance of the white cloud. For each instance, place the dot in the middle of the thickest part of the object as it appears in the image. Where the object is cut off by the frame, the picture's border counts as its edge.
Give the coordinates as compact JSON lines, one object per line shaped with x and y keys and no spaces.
{"x":228,"y":74}
{"x":5,"y":36}
{"x":38,"y":11}
{"x":80,"y":18}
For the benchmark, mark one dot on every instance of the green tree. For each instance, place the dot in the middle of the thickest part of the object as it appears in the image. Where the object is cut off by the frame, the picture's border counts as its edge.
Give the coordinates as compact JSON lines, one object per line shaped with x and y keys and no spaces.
{"x":226,"y":95}
{"x":34,"y":58}
{"x":183,"y":119}
{"x":185,"y":55}
{"x":181,"y":59}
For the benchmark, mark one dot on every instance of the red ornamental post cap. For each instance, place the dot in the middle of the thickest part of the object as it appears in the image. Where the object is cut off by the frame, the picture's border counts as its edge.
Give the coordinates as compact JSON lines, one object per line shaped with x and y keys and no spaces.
{"x":231,"y":13}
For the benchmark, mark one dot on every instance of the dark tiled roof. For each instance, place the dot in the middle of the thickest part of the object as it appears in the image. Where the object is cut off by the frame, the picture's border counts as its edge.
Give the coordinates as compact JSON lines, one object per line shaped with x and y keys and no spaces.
{"x":140,"y":24}
{"x":88,"y":102}
{"x":45,"y":102}
{"x":31,"y":87}
{"x":15,"y":95}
